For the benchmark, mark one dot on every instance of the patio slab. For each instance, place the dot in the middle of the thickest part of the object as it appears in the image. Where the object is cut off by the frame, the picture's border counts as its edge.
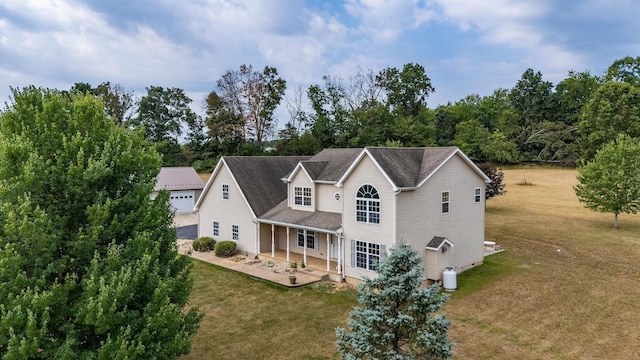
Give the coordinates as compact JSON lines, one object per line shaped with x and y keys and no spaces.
{"x":255,"y":268}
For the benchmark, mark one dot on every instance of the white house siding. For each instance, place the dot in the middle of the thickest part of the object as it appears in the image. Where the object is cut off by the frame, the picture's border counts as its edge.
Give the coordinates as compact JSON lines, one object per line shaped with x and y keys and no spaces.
{"x":302,"y":180}
{"x":326,"y":198}
{"x":233,"y":211}
{"x":420,"y":217}
{"x":366,"y":173}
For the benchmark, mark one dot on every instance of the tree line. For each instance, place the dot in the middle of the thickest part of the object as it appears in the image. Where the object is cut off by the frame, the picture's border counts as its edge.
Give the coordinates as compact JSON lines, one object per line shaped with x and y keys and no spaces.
{"x":534,"y":121}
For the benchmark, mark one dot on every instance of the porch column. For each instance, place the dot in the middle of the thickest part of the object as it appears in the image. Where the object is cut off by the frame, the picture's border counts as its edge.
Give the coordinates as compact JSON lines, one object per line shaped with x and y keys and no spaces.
{"x":304,"y":252}
{"x":328,"y":251}
{"x":340,"y":254}
{"x":273,"y":240}
{"x":288,"y":243}
{"x":257,"y":242}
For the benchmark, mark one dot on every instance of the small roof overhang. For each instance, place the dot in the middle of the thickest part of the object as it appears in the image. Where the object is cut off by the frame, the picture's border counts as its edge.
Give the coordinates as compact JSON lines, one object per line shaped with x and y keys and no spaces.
{"x":437,"y":243}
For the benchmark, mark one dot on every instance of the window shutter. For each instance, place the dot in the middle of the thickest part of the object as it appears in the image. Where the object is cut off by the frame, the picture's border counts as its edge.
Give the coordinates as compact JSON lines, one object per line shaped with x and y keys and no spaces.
{"x":383,"y":253}
{"x":353,"y":253}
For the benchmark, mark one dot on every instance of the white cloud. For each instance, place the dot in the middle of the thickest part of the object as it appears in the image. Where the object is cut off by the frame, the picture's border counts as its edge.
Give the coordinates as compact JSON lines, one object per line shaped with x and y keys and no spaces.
{"x":385,"y":20}
{"x":516,"y":24}
{"x":73,"y":43}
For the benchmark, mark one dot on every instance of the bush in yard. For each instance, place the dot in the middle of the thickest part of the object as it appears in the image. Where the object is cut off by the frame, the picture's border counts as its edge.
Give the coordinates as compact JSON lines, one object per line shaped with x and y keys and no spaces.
{"x":209,"y":243}
{"x":204,"y":243}
{"x":226,"y":248}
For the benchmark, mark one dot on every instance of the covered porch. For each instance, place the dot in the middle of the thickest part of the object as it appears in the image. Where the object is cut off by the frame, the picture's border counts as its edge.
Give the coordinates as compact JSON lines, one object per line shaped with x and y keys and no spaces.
{"x":314,"y":237}
{"x":318,"y":249}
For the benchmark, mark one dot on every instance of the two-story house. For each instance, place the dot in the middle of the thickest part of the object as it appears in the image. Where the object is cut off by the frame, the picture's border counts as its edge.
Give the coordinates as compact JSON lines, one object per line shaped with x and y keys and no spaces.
{"x":349,"y":206}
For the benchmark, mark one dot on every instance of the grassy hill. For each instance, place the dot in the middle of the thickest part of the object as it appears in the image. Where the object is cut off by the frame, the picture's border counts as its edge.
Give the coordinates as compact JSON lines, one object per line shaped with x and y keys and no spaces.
{"x":567,"y":287}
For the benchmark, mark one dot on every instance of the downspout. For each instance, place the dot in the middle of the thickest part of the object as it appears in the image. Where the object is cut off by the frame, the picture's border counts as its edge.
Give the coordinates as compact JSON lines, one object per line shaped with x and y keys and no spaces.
{"x":394,"y":225}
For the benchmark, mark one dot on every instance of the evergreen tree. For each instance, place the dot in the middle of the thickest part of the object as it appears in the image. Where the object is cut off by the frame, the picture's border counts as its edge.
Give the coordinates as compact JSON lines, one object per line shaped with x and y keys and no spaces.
{"x":88,"y":261}
{"x":395,"y":318}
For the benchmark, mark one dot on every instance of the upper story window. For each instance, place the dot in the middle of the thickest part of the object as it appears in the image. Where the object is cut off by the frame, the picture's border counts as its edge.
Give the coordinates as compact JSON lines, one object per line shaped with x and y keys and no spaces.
{"x":477,"y":195}
{"x":368,"y":205}
{"x":445,"y":202}
{"x":225,"y":191}
{"x":302,"y":196}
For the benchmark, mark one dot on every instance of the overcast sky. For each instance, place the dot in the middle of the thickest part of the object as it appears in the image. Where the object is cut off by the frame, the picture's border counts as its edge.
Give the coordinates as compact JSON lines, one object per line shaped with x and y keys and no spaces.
{"x":466,"y":46}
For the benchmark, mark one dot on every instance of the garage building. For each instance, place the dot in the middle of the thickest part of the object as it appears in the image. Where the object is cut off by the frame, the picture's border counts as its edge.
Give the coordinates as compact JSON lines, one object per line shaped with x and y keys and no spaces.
{"x":184,"y":185}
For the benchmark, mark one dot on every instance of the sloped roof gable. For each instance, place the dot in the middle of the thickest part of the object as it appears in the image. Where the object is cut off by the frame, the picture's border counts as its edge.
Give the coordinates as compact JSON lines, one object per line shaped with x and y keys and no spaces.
{"x":260,"y":178}
{"x":178,"y":178}
{"x":409,"y":167}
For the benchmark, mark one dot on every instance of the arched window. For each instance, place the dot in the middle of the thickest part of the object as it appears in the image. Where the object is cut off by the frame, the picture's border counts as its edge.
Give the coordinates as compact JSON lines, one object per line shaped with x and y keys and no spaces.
{"x":368,"y":205}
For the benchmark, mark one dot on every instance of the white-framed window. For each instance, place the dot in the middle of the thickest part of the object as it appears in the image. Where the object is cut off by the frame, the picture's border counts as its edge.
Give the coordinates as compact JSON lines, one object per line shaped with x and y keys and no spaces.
{"x":368,"y":205}
{"x":216,"y":228}
{"x":477,"y":195}
{"x":302,"y":196}
{"x":366,"y":255}
{"x":307,"y":238}
{"x":225,"y":191}
{"x":446,"y":202}
{"x":235,"y":232}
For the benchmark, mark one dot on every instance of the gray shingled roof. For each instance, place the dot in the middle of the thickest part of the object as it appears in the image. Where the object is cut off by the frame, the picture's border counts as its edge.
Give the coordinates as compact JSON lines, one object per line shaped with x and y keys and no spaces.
{"x":178,"y":178}
{"x":436,"y":242}
{"x":282,"y":214}
{"x":314,"y":168}
{"x":260,"y":178}
{"x":337,"y":162}
{"x":407,"y":167}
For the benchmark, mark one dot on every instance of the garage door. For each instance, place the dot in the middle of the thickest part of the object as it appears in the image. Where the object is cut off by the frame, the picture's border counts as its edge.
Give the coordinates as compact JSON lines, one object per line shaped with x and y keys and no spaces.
{"x":183,"y":201}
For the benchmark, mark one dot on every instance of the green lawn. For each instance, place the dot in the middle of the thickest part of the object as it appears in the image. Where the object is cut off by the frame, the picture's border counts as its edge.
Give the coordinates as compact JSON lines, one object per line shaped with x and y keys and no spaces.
{"x":567,"y":287}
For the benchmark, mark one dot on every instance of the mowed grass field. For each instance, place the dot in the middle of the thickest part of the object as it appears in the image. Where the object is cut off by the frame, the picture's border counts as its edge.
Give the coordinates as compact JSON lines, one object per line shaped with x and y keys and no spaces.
{"x":567,"y":287}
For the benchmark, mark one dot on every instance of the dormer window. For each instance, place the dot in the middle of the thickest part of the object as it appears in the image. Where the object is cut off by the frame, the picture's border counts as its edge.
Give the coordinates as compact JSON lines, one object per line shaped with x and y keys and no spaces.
{"x":302,"y":196}
{"x":368,"y":205}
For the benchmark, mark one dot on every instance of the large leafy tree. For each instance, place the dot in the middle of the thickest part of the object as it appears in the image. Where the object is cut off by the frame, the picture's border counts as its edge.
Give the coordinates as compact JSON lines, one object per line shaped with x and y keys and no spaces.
{"x":613,"y":109}
{"x":162,"y":116}
{"x":395,"y":318}
{"x":531,"y":99}
{"x":118,"y":103}
{"x":626,"y":70}
{"x":609,"y":183}
{"x":250,"y":98}
{"x":88,"y":261}
{"x":406,"y":89}
{"x":332,"y":112}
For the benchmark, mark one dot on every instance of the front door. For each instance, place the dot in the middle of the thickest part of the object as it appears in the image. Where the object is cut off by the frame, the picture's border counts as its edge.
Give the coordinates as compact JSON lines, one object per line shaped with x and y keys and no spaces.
{"x":333,"y":247}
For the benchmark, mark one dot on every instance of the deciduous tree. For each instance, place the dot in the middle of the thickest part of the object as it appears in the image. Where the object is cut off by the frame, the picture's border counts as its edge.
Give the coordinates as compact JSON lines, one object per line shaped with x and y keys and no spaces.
{"x":162,"y":115}
{"x":613,"y":109}
{"x":496,"y":187}
{"x":609,"y":183}
{"x":251,"y":97}
{"x":395,"y":318}
{"x":88,"y":261}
